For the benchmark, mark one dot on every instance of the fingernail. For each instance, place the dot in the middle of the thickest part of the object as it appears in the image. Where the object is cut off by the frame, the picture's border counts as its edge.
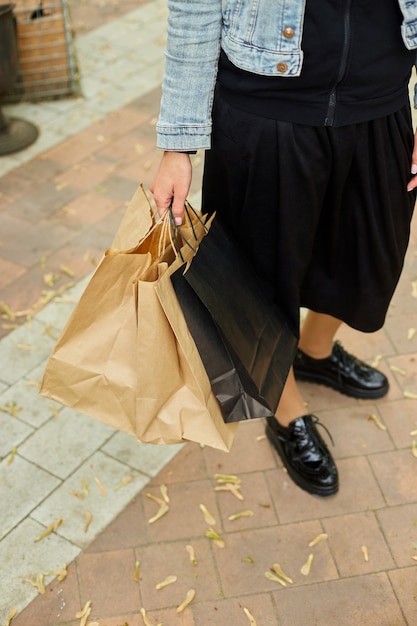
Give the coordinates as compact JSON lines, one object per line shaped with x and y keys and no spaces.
{"x":178,"y":221}
{"x":414,"y":168}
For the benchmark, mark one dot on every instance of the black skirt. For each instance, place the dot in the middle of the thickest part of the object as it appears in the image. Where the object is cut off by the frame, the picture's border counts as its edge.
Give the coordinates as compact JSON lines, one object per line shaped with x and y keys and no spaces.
{"x":322,"y":212}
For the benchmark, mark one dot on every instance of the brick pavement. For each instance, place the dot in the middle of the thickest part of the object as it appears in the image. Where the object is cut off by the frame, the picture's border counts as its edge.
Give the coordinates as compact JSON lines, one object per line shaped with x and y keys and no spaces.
{"x":60,"y":210}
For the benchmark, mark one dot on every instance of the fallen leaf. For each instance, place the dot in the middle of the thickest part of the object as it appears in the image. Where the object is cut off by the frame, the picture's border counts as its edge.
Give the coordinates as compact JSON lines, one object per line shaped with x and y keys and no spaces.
{"x":126,"y":480}
{"x":410,"y":333}
{"x":410,"y":395}
{"x":246,"y":513}
{"x":250,"y":617}
{"x":191,"y":553}
{"x":169,"y":580}
{"x":51,"y":528}
{"x":54,"y":409}
{"x":6,"y":312}
{"x":188,"y":599}
{"x":305,"y":570}
{"x":248,"y":559}
{"x":66,"y":270}
{"x":414,"y":288}
{"x":11,"y":457}
{"x":234,"y":489}
{"x":374,"y":418}
{"x":77,"y":494}
{"x":365,"y":553}
{"x":84,"y":486}
{"x":211,"y":534}
{"x":164,"y":491}
{"x":227,"y":478}
{"x":413,"y":433}
{"x":24,"y":346}
{"x":377,"y":360}
{"x":145,"y":618}
{"x":37,"y":582}
{"x":279,"y":572}
{"x":88,"y":520}
{"x":207,"y":515}
{"x":316,"y":540}
{"x":61,"y":574}
{"x":275,"y":578}
{"x":83,"y":615}
{"x":50,"y":279}
{"x":414,"y":448}
{"x":101,"y":487}
{"x":136,"y":575}
{"x":163,"y":509}
{"x":398,"y":370}
{"x":10,"y":617}
{"x":260,"y":437}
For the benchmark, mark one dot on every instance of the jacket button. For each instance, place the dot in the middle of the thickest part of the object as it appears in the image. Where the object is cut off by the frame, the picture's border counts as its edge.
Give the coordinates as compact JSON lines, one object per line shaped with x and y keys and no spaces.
{"x":288,"y":32}
{"x":282,"y":67}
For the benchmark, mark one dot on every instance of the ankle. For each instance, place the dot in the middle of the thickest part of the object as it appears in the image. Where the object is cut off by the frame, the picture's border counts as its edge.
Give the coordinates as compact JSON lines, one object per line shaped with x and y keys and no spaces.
{"x":316,"y":351}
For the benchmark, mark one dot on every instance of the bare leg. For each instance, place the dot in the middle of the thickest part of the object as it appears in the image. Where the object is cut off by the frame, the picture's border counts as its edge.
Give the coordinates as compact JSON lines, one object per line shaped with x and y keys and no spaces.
{"x":317,"y":335}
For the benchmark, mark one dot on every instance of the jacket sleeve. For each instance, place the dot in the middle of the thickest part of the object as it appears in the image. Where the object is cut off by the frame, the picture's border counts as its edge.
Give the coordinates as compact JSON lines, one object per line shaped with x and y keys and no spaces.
{"x":194,"y":33}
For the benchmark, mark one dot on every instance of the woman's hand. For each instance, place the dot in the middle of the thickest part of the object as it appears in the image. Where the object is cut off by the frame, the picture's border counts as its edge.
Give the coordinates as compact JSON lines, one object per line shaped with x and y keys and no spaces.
{"x":413,"y":182}
{"x":172,"y":183}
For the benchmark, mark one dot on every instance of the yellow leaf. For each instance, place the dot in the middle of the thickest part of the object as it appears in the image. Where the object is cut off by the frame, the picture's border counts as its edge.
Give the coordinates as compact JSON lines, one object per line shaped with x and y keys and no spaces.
{"x":250,"y":617}
{"x":84,"y":486}
{"x":146,"y":621}
{"x":414,"y":448}
{"x":77,"y":494}
{"x":398,"y":370}
{"x":101,"y":487}
{"x":163,"y":509}
{"x":376,"y":360}
{"x":234,"y":489}
{"x":126,"y":480}
{"x":227,"y":478}
{"x":191,"y":554}
{"x":11,"y":457}
{"x":188,"y":599}
{"x":51,"y":528}
{"x":83,"y":615}
{"x":10,"y":617}
{"x":164,"y":491}
{"x":374,"y":418}
{"x":414,"y":288}
{"x":37,"y":582}
{"x":12,"y":408}
{"x":410,"y":395}
{"x":88,"y":520}
{"x":316,"y":540}
{"x":246,"y":513}
{"x":410,"y":333}
{"x":169,"y":580}
{"x":365,"y":553}
{"x":24,"y":346}
{"x":275,"y":578}
{"x":207,"y":515}
{"x":305,"y":570}
{"x":211,"y":534}
{"x":66,"y":270}
{"x":136,"y":575}
{"x":279,"y":572}
{"x":413,"y":433}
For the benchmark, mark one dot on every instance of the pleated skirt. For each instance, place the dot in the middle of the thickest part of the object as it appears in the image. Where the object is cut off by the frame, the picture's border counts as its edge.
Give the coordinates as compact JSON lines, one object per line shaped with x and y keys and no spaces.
{"x":322,"y":213}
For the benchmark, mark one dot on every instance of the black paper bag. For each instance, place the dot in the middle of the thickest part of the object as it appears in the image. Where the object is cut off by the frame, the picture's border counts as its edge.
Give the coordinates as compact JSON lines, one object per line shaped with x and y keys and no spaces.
{"x":253,"y":328}
{"x":234,"y":389}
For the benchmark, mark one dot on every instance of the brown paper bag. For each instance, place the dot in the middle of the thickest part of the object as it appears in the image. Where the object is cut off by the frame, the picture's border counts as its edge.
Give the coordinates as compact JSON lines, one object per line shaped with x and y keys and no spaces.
{"x":118,"y":359}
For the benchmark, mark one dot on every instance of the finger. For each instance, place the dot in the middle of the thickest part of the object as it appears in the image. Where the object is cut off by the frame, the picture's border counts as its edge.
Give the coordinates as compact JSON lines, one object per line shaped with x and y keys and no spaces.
{"x":412,"y":184}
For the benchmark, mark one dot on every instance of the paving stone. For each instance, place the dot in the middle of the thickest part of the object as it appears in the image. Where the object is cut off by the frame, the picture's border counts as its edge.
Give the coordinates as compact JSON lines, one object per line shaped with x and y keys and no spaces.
{"x":32,"y":408}
{"x":13,"y":433}
{"x":403,"y":582}
{"x":260,"y":606}
{"x":23,"y":559}
{"x":395,"y":472}
{"x":399,"y":525}
{"x":400,"y":417}
{"x":61,"y":503}
{"x":23,"y":487}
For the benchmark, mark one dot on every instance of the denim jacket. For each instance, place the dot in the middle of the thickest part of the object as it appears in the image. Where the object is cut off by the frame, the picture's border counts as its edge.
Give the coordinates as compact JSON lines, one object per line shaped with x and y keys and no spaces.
{"x":260,"y":36}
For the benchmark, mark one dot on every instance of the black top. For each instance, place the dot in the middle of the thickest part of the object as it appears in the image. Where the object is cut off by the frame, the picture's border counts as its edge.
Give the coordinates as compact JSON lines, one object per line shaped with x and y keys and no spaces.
{"x":356,"y":68}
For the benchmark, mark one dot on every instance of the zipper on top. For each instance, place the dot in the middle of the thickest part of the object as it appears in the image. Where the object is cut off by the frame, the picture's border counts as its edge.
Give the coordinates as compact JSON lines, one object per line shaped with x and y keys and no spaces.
{"x":331,"y":108}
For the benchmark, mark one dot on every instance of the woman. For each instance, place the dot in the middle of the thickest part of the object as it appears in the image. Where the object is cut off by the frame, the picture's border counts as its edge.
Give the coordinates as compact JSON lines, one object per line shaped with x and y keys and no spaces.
{"x":303,"y":109}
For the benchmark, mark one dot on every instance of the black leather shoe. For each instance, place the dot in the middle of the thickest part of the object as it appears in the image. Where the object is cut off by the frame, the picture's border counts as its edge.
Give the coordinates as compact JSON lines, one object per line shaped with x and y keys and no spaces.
{"x":342,"y":371}
{"x":304,"y":454}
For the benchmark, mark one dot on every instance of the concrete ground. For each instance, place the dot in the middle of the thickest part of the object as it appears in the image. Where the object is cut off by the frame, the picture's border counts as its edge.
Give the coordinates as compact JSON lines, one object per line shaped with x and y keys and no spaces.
{"x":60,"y":203}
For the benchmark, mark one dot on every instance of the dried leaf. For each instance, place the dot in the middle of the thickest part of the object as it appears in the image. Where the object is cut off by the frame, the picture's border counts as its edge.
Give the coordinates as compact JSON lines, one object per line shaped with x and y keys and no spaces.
{"x":305,"y":570}
{"x":155,"y":498}
{"x":66,"y":270}
{"x":246,"y":513}
{"x":414,"y":448}
{"x":275,"y":578}
{"x":126,"y":480}
{"x":207,"y":515}
{"x":260,"y":437}
{"x":10,"y":326}
{"x":88,"y":520}
{"x":37,"y":582}
{"x":279,"y":572}
{"x":248,"y":559}
{"x":24,"y":346}
{"x":227,"y":478}
{"x":101,"y":487}
{"x":410,"y":333}
{"x":12,"y":408}
{"x":6,"y":312}
{"x":83,"y":615}
{"x":61,"y":574}
{"x":136,"y":575}
{"x":188,"y":599}
{"x":413,"y":433}
{"x":163,"y":509}
{"x":377,"y":360}
{"x":84,"y":486}
{"x":211,"y":534}
{"x":414,"y":288}
{"x":410,"y":395}
{"x":252,"y":620}
{"x":54,"y":409}
{"x":10,"y":617}
{"x":191,"y":553}
{"x":77,"y":494}
{"x":365,"y":553}
{"x":234,"y":489}
{"x":11,"y":457}
{"x":414,"y":558}
{"x":51,"y":528}
{"x":164,"y":491}
{"x":374,"y":418}
{"x":316,"y":540}
{"x":145,"y":618}
{"x":398,"y":370}
{"x":169,"y":580}
{"x":50,"y":279}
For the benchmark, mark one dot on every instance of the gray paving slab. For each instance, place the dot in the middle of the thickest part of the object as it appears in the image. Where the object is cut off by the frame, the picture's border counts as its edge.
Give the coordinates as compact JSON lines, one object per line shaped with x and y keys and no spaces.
{"x":23,"y":487}
{"x":62,"y":504}
{"x":22,"y":558}
{"x":30,"y":407}
{"x":13,"y":433}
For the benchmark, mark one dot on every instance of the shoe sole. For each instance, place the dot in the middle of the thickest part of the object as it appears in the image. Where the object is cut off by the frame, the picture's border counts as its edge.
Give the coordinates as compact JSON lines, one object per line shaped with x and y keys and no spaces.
{"x":352,"y":392}
{"x":303,"y":484}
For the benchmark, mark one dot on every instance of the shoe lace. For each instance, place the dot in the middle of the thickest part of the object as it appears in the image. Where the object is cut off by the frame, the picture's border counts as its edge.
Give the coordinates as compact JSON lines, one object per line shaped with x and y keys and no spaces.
{"x":347,"y":360}
{"x":315,"y":420}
